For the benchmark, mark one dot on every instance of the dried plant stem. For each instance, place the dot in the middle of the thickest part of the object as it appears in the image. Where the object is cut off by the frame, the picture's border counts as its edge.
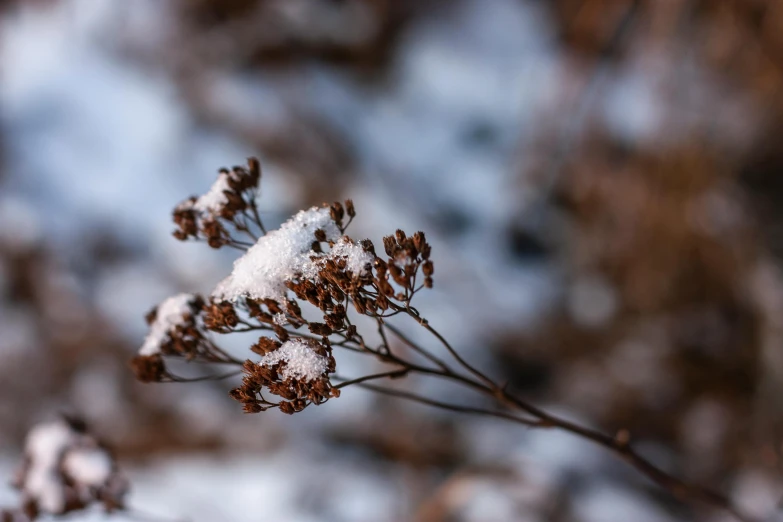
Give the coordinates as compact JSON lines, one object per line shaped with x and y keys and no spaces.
{"x":400,"y":372}
{"x":620,"y":444}
{"x":446,"y":406}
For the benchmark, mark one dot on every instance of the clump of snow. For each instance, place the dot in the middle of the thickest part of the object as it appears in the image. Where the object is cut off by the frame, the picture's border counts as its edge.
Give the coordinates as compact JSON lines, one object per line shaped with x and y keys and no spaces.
{"x":277,"y":257}
{"x":88,"y":466}
{"x":45,"y":446}
{"x":280,"y":319}
{"x":170,"y":314}
{"x":358,"y":262}
{"x":60,"y":458}
{"x":301,"y":361}
{"x":214,"y":200}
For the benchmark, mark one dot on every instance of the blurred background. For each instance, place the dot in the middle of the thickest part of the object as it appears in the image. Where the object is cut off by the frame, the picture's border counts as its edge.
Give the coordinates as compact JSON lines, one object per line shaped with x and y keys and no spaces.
{"x":600,"y":180}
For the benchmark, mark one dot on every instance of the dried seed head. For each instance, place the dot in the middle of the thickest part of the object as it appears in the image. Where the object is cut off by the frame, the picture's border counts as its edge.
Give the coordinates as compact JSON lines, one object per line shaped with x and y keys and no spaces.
{"x":254,"y":169}
{"x":252,"y":407}
{"x":320,"y":329}
{"x":349,"y":208}
{"x":281,"y":333}
{"x":337,"y":212}
{"x":148,"y":368}
{"x":418,"y":240}
{"x":264,"y":346}
{"x":389,"y":245}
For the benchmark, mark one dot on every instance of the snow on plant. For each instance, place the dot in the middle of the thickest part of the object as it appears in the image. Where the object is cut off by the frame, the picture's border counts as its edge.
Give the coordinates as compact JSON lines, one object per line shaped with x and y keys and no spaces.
{"x":65,"y":470}
{"x":309,"y":261}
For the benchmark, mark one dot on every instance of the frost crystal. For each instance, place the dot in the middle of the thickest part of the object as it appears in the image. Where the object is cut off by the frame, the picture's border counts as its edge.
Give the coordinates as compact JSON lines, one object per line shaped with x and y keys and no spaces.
{"x":169,"y":315}
{"x":301,"y":361}
{"x":277,"y":257}
{"x":214,"y":200}
{"x":45,"y":446}
{"x":358,"y":262}
{"x":280,"y":319}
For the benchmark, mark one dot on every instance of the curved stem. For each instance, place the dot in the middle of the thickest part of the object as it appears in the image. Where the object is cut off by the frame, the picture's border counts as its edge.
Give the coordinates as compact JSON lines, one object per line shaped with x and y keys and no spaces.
{"x":423,"y":322}
{"x":446,"y":406}
{"x":620,"y":445}
{"x":418,"y":349}
{"x":399,"y":372}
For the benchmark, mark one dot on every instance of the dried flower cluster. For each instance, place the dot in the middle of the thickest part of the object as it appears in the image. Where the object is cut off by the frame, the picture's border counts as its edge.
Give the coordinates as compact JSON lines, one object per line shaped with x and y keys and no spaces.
{"x":65,"y":470}
{"x":308,"y":259}
{"x":176,"y":329}
{"x":224,"y":205}
{"x":309,"y":263}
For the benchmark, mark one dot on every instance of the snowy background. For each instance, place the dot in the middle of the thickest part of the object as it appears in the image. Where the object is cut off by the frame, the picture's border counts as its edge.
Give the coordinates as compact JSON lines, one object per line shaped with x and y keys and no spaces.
{"x":597,"y":182}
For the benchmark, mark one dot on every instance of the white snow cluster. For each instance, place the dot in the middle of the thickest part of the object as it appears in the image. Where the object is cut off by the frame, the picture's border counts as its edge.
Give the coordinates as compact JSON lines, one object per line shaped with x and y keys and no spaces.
{"x":214,"y":199}
{"x":277,"y":257}
{"x":53,"y":449}
{"x":301,"y":361}
{"x":286,"y":253}
{"x":88,"y":466}
{"x":170,"y":314}
{"x":45,"y":446}
{"x":358,"y":262}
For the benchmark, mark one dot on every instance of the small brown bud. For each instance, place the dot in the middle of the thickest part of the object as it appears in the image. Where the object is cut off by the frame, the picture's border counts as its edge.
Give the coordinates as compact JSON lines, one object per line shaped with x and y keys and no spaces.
{"x":254,"y":169}
{"x":349,"y":208}
{"x":388,"y":245}
{"x":320,"y":329}
{"x":418,"y":240}
{"x":265,"y":345}
{"x":320,"y":235}
{"x":337,"y":212}
{"x":367,"y":246}
{"x":237,"y":394}
{"x":281,"y":333}
{"x":148,"y":368}
{"x":252,"y":407}
{"x":151,"y":315}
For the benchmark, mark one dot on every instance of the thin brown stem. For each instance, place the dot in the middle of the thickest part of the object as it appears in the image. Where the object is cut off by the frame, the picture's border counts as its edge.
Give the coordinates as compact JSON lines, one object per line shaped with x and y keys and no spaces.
{"x":618,"y":445}
{"x":423,"y":322}
{"x":446,"y":406}
{"x":393,"y":374}
{"x":415,"y":347}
